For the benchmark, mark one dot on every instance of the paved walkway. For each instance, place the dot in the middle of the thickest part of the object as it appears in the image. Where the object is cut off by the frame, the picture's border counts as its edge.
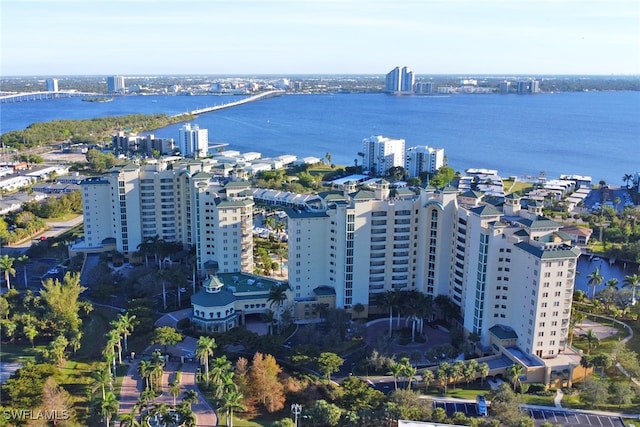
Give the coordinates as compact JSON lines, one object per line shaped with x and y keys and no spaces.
{"x":132,"y":386}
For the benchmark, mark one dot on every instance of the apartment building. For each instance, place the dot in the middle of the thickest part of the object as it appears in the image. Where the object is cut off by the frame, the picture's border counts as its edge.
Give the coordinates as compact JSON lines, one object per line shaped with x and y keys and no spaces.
{"x":509,"y":268}
{"x":382,"y":153}
{"x":423,"y":159}
{"x":175,"y":201}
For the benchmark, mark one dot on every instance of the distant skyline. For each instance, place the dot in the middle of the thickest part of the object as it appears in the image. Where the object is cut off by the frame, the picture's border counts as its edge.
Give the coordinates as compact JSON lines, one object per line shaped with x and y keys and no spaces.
{"x":279,"y":37}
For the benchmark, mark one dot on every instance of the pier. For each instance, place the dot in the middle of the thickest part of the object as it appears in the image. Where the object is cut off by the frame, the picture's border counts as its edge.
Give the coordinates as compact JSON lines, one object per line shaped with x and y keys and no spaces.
{"x":263,"y":95}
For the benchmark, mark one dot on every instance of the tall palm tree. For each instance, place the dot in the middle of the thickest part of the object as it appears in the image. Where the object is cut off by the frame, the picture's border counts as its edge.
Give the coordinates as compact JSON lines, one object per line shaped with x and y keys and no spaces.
{"x":396,"y":369}
{"x":595,"y":279}
{"x":612,"y":283}
{"x":277,"y":295}
{"x":592,"y":340}
{"x":626,"y":178}
{"x":191,"y":397}
{"x":633,"y":282}
{"x":157,"y":368}
{"x":174,"y":389}
{"x":102,"y":380}
{"x":204,"y":350}
{"x":109,"y":407}
{"x":409,"y":372}
{"x":387,"y":300}
{"x":483,"y":371}
{"x":427,"y":377}
{"x":163,"y":275}
{"x":144,"y":369}
{"x":232,"y":402}
{"x":221,"y":367}
{"x":125,"y":323}
{"x":6,"y":265}
{"x":444,"y":373}
{"x":513,"y":373}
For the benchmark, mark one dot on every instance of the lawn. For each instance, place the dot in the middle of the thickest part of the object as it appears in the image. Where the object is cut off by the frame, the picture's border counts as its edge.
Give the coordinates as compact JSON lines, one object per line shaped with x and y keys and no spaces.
{"x":11,"y":352}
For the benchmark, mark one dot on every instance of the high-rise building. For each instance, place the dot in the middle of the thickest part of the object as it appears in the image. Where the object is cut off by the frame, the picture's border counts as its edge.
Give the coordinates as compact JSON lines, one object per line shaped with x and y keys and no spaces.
{"x":115,"y":84}
{"x":423,"y":159}
{"x":507,"y":270}
{"x":400,"y":80}
{"x":133,"y":204}
{"x":528,"y":87}
{"x":504,"y":87}
{"x":124,"y":142}
{"x":381,"y":154}
{"x":424,"y":88}
{"x":52,"y":85}
{"x":193,"y":141}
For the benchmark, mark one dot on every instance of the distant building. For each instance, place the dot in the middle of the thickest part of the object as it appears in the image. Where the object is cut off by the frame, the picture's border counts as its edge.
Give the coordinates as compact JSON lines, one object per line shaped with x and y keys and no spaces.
{"x":52,"y":85}
{"x":423,"y":159}
{"x":424,"y":88}
{"x":526,"y":87}
{"x":115,"y":84}
{"x":193,"y":141}
{"x":400,"y":80}
{"x":504,"y":87}
{"x":124,"y":142}
{"x":381,"y":154}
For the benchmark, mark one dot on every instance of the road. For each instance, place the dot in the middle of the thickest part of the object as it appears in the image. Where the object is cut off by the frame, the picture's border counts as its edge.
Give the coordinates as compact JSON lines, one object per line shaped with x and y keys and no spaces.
{"x":54,"y":229}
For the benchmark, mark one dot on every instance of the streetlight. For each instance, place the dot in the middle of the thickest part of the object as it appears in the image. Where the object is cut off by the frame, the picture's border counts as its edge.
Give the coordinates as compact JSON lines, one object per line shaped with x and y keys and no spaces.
{"x":296,"y":409}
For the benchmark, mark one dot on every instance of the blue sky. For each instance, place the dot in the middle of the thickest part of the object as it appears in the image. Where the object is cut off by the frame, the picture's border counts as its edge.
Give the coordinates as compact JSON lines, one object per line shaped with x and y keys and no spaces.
{"x":58,"y":37}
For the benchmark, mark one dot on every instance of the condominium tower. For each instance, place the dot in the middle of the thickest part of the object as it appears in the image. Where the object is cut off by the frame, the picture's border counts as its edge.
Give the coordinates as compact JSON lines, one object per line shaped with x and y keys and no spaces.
{"x":382,"y":153}
{"x":115,"y":84}
{"x":423,"y":159}
{"x":193,"y":141}
{"x":399,"y":80}
{"x":510,"y":268}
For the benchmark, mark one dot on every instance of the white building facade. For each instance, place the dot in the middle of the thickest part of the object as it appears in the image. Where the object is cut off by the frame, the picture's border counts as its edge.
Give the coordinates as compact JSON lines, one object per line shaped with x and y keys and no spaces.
{"x":193,"y":141}
{"x":382,"y":153}
{"x":423,"y":159}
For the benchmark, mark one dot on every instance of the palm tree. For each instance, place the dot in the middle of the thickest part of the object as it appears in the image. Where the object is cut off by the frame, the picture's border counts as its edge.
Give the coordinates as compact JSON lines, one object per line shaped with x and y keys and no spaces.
{"x":387,"y":300}
{"x":232,"y":402}
{"x":457,"y":371}
{"x":125,"y":324}
{"x":108,"y":407}
{"x":157,"y":368}
{"x":31,"y":332}
{"x":626,"y":178}
{"x":102,"y":380}
{"x":221,"y":367}
{"x":595,"y":279}
{"x":513,"y":373}
{"x":396,"y":369}
{"x":163,"y":275}
{"x":191,"y":397}
{"x":174,"y":389}
{"x":204,"y":350}
{"x":277,"y":295}
{"x":444,"y":373}
{"x":409,"y":372}
{"x":483,"y":371}
{"x":144,"y":369}
{"x":576,"y":318}
{"x":592,"y":340}
{"x":427,"y":377}
{"x":115,"y":341}
{"x":632,"y":281}
{"x":612,"y":283}
{"x":6,"y":265}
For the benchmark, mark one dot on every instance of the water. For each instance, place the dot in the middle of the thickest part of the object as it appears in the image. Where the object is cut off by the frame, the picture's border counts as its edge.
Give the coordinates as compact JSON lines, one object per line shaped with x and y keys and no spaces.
{"x":594,"y":133}
{"x":617,"y":270}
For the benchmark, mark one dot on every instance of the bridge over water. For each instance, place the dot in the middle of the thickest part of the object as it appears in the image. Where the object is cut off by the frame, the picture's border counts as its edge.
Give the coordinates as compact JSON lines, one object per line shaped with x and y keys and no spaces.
{"x":263,"y":95}
{"x":36,"y":96}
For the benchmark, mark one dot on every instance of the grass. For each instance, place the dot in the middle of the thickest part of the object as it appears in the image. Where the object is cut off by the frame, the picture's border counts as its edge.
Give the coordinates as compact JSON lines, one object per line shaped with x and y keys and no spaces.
{"x":239,"y":422}
{"x":517,"y":187}
{"x":12,"y":352}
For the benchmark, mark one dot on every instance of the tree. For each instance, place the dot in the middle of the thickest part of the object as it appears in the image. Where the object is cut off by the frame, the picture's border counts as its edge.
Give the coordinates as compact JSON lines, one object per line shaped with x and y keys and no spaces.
{"x":31,"y":332}
{"x":358,"y":395}
{"x":102,"y":380}
{"x":277,"y":295}
{"x":56,"y":399}
{"x":125,"y":325}
{"x":232,"y":403}
{"x":329,"y":363}
{"x":166,"y":335}
{"x":323,"y":413}
{"x":470,"y":371}
{"x":263,"y":382}
{"x":626,"y":178}
{"x":505,"y":404}
{"x":387,"y":300}
{"x":204,"y":350}
{"x":57,"y":349}
{"x":109,"y":407}
{"x":6,"y":265}
{"x":633,"y":282}
{"x":395,"y":370}
{"x":427,"y":377}
{"x":457,"y":371}
{"x":513,"y":374}
{"x":144,"y":369}
{"x":602,"y":360}
{"x":620,"y":393}
{"x":174,"y":389}
{"x":594,"y":391}
{"x":62,"y":302}
{"x":483,"y":371}
{"x":443,"y":373}
{"x":595,"y":279}
{"x":592,"y":340}
{"x":23,"y":259}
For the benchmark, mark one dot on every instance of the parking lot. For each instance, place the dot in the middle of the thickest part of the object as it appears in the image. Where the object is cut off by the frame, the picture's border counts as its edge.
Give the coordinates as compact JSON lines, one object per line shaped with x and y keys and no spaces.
{"x":469,"y":409}
{"x":567,"y":418}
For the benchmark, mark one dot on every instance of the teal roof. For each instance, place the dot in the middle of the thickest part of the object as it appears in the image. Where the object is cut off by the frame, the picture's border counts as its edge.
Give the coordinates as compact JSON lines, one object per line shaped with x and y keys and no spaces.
{"x":297,"y":213}
{"x":324,"y":291}
{"x":540,"y":222}
{"x":562,"y":251}
{"x":485,"y":210}
{"x":364,"y":195}
{"x":221,"y":298}
{"x":233,"y":203}
{"x":472,"y":194}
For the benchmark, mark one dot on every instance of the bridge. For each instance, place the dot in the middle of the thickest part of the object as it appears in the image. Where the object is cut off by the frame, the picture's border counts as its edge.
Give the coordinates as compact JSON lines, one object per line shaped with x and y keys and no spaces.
{"x":36,"y":96}
{"x":263,"y":95}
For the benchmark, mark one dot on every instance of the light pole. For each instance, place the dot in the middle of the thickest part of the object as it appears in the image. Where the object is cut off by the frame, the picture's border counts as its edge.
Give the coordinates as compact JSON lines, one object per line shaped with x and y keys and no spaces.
{"x":296,"y":409}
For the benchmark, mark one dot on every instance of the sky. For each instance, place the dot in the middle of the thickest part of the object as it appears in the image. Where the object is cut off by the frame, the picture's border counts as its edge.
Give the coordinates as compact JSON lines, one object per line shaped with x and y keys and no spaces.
{"x":288,"y":37}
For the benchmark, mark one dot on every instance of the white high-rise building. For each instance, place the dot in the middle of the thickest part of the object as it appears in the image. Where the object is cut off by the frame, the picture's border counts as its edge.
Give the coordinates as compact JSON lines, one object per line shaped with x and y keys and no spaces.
{"x":193,"y":141}
{"x":52,"y":85}
{"x":400,"y":80}
{"x":423,"y":159}
{"x":510,"y":270}
{"x":382,"y":153}
{"x":133,"y":204}
{"x":115,"y":84}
